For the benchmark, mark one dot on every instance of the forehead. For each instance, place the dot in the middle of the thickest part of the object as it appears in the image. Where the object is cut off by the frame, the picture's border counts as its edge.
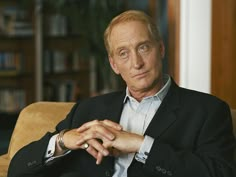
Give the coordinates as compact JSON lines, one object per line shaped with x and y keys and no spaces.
{"x":128,"y":32}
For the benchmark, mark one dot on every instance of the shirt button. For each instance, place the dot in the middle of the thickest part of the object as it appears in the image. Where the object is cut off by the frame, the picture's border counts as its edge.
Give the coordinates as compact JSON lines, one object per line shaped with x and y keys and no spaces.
{"x":169,"y":173}
{"x":163,"y":171}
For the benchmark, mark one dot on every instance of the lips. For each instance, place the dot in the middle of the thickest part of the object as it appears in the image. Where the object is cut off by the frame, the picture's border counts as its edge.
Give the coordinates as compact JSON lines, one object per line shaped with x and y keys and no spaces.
{"x":140,"y":74}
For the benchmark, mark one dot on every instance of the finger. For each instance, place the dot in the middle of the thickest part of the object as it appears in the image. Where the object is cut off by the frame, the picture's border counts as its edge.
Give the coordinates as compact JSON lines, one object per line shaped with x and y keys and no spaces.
{"x":112,"y":124}
{"x":92,"y":152}
{"x":89,"y":136}
{"x":104,"y":132}
{"x":97,"y":155}
{"x":95,"y":133}
{"x":87,"y":125}
{"x":96,"y":145}
{"x":99,"y":158}
{"x":96,"y":122}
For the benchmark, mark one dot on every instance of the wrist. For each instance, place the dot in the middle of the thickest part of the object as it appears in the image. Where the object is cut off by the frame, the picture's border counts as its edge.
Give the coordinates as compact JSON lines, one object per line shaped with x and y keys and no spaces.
{"x":60,"y":141}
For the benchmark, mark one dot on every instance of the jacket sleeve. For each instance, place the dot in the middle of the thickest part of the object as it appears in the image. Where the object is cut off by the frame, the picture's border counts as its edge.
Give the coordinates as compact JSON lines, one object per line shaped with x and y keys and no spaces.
{"x":29,"y":161}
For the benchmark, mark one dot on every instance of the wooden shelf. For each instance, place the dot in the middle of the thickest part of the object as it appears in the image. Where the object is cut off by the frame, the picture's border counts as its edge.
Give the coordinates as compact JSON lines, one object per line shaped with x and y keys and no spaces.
{"x":26,"y":77}
{"x":14,"y":74}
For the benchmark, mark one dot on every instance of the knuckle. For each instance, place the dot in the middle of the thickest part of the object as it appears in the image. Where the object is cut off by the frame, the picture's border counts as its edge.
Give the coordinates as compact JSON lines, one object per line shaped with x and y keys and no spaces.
{"x":94,"y":134}
{"x":99,"y":128}
{"x":106,"y":121}
{"x":85,"y":124}
{"x":96,"y":128}
{"x":96,"y":121}
{"x":82,"y":137}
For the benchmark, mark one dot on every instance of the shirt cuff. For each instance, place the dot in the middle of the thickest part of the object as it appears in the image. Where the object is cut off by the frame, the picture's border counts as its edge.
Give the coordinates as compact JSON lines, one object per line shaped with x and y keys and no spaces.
{"x":51,"y":146}
{"x":144,"y":150}
{"x":51,"y":150}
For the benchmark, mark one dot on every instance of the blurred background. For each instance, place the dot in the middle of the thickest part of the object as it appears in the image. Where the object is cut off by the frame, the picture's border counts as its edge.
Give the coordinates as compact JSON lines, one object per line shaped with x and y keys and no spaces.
{"x":52,"y":50}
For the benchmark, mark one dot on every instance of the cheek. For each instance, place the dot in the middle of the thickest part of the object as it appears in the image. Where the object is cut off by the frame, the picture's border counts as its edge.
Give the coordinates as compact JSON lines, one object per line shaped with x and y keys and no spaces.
{"x":158,"y":66}
{"x":156,"y":59}
{"x":123,"y":66}
{"x":155,"y":65}
{"x":116,"y":66}
{"x":125,"y":72}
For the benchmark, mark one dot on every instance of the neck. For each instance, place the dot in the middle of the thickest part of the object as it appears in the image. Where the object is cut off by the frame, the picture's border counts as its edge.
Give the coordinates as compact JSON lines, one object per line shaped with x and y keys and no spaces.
{"x":140,"y":94}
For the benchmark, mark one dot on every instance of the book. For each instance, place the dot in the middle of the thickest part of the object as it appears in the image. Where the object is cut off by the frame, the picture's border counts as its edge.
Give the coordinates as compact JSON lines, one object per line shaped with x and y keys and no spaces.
{"x":15,"y":21}
{"x":11,"y":62}
{"x":12,"y":100}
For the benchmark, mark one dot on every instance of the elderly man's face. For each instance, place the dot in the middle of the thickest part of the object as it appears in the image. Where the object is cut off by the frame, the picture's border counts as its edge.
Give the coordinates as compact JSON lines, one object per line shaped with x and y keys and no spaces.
{"x":136,"y":56}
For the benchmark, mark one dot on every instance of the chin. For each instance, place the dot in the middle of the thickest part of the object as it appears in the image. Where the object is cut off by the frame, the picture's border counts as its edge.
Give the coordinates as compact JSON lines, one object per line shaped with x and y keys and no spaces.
{"x":142,"y":87}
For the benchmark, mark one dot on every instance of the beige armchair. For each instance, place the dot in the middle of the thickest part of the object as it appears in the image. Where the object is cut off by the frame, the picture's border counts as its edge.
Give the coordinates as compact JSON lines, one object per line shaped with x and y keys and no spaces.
{"x":47,"y":115}
{"x":33,"y":122}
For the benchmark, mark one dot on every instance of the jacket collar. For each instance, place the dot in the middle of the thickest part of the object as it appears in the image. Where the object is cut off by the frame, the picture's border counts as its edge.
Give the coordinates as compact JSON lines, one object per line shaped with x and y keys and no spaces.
{"x":166,"y":114}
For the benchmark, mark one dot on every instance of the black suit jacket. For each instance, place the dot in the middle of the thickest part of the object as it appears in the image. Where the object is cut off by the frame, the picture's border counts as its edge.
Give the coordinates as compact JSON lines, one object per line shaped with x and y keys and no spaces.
{"x":192,"y":131}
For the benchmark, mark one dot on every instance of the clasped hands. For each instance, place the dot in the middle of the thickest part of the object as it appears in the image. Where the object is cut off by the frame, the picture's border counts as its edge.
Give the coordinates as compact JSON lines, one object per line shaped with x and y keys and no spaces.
{"x":104,"y":138}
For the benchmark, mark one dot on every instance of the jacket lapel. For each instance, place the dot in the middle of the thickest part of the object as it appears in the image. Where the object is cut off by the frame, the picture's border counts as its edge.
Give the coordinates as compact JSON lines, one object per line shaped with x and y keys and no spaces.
{"x":165,"y":116}
{"x":115,"y":109}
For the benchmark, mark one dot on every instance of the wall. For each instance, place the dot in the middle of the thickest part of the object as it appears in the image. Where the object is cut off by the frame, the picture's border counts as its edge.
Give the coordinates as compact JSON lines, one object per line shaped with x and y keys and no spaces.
{"x":223,"y":79}
{"x":195,"y":44}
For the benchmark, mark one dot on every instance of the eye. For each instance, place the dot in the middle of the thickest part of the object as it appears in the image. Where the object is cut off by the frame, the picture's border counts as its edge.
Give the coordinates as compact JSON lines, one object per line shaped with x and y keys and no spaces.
{"x":143,"y":48}
{"x":123,"y":54}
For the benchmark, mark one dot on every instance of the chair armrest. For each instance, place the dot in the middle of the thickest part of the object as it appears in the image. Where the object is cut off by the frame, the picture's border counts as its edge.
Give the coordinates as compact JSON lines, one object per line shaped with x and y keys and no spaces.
{"x":4,"y":163}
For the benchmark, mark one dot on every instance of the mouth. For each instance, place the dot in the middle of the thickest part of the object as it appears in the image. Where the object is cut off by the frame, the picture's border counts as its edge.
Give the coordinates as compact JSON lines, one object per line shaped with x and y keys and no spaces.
{"x":140,"y":75}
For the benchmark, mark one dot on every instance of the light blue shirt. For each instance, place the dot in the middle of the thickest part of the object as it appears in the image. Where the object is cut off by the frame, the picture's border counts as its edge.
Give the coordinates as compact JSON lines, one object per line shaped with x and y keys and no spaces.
{"x":135,"y":118}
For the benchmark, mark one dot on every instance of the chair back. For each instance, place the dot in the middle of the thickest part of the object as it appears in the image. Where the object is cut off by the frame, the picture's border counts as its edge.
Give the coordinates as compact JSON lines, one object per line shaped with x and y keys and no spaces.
{"x":34,"y":121}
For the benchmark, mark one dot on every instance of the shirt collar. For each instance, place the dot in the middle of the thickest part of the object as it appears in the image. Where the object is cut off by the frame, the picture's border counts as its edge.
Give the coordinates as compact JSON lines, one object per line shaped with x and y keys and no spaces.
{"x":160,"y":94}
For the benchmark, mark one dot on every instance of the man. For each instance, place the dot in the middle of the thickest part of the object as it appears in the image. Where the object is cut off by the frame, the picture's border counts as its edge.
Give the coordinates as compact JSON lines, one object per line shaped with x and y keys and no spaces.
{"x":153,"y":128}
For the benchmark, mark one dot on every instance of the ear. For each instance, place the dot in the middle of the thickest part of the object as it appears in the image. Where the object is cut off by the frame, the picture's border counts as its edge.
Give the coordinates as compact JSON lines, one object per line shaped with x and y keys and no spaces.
{"x":113,"y":65}
{"x":162,"y":49}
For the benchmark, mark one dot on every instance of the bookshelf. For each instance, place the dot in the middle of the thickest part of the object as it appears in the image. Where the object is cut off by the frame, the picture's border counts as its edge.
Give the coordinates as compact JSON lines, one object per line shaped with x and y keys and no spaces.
{"x":65,"y":71}
{"x":39,"y":58}
{"x":17,"y":53}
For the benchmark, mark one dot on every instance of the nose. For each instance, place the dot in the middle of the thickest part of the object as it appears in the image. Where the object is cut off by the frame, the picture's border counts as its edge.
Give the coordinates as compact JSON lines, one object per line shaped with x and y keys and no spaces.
{"x":137,"y":60}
